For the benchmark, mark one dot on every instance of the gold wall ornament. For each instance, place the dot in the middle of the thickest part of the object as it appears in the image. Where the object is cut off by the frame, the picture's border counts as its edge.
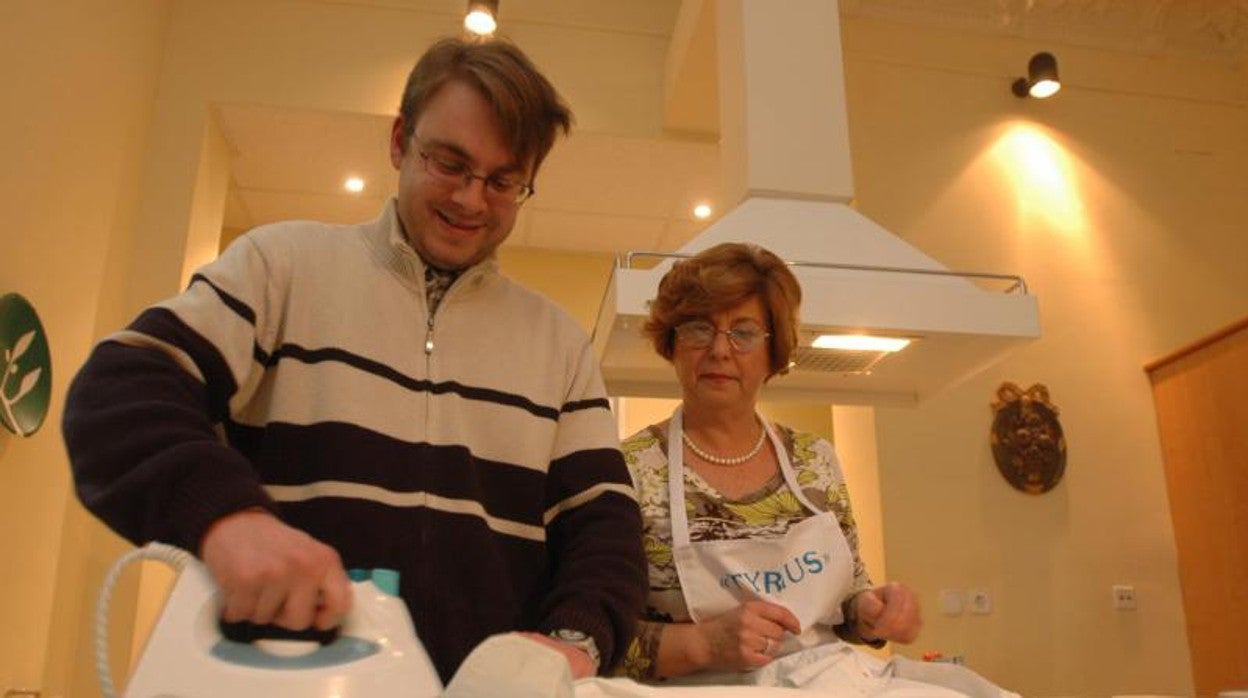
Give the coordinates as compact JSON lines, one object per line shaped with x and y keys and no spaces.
{"x":1027,"y":440}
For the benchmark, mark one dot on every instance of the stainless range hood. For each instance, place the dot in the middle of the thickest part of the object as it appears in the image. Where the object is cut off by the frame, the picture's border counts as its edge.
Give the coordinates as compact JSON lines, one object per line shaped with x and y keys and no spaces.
{"x":785,"y":144}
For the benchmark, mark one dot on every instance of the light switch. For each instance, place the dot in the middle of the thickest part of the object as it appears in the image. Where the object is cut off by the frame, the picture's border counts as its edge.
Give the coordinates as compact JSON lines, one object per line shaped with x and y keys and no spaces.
{"x":951,"y":602}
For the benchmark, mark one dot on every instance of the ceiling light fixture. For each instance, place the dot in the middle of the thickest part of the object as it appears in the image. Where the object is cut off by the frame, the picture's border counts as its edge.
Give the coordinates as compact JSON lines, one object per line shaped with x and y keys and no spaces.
{"x":482,"y":17}
{"x":355,"y":185}
{"x":859,"y":342}
{"x":702,"y":211}
{"x":1041,"y":80}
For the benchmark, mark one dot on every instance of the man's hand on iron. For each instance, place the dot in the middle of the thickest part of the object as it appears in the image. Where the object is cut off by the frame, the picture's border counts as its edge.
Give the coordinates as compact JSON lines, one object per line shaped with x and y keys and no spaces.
{"x":271,"y":573}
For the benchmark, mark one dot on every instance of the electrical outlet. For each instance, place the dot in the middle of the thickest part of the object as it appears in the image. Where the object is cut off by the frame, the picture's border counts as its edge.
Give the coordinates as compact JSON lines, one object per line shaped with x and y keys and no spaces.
{"x":1124,"y":597}
{"x":981,"y":601}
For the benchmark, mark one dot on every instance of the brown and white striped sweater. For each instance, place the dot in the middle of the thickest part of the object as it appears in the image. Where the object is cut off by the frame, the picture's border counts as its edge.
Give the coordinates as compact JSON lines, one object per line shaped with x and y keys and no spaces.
{"x":474,"y":452}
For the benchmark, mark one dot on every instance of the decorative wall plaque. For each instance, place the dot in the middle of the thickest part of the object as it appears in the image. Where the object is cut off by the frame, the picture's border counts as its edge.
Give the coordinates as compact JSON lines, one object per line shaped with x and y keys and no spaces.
{"x":26,"y":383}
{"x":1027,"y":440}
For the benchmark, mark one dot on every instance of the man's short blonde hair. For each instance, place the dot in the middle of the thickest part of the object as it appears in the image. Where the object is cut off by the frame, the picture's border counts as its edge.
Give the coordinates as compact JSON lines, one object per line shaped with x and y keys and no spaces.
{"x":527,"y":106}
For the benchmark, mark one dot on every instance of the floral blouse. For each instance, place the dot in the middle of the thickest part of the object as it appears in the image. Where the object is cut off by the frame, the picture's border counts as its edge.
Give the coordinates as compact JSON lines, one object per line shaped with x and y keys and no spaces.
{"x":712,"y":516}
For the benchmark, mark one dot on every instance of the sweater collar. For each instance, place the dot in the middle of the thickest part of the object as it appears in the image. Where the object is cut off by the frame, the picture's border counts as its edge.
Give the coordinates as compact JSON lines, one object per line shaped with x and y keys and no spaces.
{"x":403,"y":258}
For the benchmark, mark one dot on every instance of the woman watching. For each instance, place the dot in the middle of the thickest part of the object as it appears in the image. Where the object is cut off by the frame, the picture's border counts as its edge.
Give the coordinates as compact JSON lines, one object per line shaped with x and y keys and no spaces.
{"x":759,"y":559}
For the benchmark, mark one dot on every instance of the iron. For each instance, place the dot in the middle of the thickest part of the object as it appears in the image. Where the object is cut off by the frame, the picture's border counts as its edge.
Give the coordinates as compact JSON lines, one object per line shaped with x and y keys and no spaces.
{"x":376,"y":653}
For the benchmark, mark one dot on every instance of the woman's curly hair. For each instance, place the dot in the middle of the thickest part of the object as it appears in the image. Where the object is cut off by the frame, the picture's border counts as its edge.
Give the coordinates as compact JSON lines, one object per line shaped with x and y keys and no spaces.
{"x":720,"y":278}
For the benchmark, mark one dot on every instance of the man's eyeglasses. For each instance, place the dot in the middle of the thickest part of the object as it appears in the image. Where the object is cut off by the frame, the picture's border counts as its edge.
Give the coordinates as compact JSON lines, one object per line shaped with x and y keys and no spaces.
{"x":700,"y":334}
{"x":499,"y":189}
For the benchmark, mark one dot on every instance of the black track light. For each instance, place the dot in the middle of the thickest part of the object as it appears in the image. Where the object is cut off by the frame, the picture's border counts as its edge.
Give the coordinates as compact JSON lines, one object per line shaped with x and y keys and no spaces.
{"x":1041,"y":80}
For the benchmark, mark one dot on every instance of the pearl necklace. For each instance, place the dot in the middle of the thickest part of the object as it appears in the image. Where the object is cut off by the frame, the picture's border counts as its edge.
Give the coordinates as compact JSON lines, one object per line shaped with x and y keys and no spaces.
{"x":726,"y":460}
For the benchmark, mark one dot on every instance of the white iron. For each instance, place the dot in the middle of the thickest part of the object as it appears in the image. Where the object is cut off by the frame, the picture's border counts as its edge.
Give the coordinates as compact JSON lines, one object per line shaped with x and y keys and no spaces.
{"x":376,"y":653}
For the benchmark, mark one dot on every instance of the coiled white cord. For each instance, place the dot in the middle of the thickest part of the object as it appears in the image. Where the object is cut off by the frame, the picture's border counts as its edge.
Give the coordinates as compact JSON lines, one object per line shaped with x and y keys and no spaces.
{"x":174,"y":557}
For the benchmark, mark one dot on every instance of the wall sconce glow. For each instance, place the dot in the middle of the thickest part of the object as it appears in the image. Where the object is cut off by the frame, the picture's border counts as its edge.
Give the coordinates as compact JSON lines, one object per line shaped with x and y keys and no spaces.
{"x":482,"y":17}
{"x":355,"y":185}
{"x":702,"y":211}
{"x":859,"y":342}
{"x":1043,"y":177}
{"x":1041,"y":80}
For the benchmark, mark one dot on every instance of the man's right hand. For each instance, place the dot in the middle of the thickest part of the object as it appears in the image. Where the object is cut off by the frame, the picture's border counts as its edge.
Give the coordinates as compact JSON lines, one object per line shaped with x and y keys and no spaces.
{"x":269,"y":572}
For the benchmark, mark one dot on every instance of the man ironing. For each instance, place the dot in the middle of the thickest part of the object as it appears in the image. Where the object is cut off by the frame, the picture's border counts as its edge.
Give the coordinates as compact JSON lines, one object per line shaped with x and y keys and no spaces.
{"x":380,"y":396}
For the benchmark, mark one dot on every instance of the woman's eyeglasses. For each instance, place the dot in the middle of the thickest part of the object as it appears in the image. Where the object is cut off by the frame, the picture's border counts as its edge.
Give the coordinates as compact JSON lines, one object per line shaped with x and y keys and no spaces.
{"x":700,"y":334}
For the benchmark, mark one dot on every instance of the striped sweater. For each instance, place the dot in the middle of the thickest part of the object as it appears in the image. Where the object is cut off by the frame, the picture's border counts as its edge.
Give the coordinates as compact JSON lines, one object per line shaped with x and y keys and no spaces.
{"x":472,"y":450}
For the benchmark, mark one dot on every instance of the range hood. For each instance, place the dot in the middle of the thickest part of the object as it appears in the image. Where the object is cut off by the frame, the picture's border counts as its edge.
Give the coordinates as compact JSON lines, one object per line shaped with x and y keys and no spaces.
{"x":785,"y":145}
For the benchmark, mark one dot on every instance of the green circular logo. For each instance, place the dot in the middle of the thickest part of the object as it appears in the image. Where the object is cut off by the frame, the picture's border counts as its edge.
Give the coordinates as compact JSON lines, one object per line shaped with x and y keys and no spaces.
{"x":26,"y":384}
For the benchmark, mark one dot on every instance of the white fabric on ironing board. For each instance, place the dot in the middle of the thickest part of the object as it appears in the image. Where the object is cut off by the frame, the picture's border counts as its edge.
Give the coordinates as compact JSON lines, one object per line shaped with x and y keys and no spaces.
{"x":836,"y":670}
{"x":514,"y":666}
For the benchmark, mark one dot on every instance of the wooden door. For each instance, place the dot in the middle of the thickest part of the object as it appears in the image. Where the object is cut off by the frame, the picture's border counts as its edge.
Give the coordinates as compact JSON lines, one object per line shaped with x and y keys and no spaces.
{"x":1201,"y":397}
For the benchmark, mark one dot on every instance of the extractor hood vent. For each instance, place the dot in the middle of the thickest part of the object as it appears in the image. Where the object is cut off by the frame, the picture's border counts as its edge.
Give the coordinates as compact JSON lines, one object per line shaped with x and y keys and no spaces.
{"x":848,"y":361}
{"x":784,"y":141}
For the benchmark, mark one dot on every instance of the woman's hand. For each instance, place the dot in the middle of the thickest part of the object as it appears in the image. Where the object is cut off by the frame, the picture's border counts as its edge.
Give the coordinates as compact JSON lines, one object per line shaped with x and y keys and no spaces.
{"x":744,"y":638}
{"x":889,"y":612}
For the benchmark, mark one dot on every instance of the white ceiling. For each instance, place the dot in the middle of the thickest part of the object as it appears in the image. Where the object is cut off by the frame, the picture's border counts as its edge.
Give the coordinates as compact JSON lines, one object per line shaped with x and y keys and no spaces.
{"x":596,"y":192}
{"x":600,"y":192}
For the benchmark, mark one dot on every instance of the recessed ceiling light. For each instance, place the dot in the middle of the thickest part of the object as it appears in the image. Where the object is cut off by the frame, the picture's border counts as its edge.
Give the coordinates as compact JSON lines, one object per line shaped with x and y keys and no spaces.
{"x":859,"y":342}
{"x":482,"y":17}
{"x":355,"y":185}
{"x":702,"y":211}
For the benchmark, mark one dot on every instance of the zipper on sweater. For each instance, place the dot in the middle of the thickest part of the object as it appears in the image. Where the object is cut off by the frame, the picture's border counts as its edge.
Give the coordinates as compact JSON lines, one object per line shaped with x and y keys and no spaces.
{"x":446,"y":296}
{"x":426,"y":586}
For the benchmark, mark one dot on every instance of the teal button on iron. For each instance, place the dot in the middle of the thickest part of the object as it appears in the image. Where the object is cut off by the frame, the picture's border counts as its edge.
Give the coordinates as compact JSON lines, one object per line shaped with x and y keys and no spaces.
{"x":384,"y":578}
{"x":387,"y":580}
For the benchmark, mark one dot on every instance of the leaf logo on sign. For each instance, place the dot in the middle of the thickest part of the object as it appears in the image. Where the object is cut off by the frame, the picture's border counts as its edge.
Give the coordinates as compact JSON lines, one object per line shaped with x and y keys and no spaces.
{"x":25,"y":384}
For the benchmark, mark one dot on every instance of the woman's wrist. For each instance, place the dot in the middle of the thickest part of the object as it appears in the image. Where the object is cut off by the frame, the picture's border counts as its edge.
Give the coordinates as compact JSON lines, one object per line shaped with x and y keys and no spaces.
{"x":698,"y":646}
{"x":857,"y":629}
{"x":865,"y":632}
{"x":682,"y":649}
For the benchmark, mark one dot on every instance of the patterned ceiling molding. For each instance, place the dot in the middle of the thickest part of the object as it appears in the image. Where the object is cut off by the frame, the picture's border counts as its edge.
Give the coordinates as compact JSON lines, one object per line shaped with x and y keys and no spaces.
{"x":1209,"y":29}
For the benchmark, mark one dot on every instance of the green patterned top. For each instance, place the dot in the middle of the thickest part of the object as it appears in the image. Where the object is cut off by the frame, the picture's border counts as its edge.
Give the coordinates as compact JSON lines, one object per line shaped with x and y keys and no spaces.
{"x":712,"y":516}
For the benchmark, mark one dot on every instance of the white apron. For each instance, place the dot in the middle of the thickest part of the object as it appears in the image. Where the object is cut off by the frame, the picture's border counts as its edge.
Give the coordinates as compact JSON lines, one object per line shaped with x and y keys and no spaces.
{"x":809,"y":570}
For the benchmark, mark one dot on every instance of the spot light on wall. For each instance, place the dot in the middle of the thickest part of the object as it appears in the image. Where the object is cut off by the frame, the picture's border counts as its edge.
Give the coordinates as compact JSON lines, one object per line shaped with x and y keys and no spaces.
{"x":1045,"y":179}
{"x":1041,"y":80}
{"x":482,"y":17}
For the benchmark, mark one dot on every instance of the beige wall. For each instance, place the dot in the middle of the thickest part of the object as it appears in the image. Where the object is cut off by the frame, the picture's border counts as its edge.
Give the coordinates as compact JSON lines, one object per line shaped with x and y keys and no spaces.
{"x":79,"y":82}
{"x":576,"y":280}
{"x":212,"y":183}
{"x":1122,"y":202}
